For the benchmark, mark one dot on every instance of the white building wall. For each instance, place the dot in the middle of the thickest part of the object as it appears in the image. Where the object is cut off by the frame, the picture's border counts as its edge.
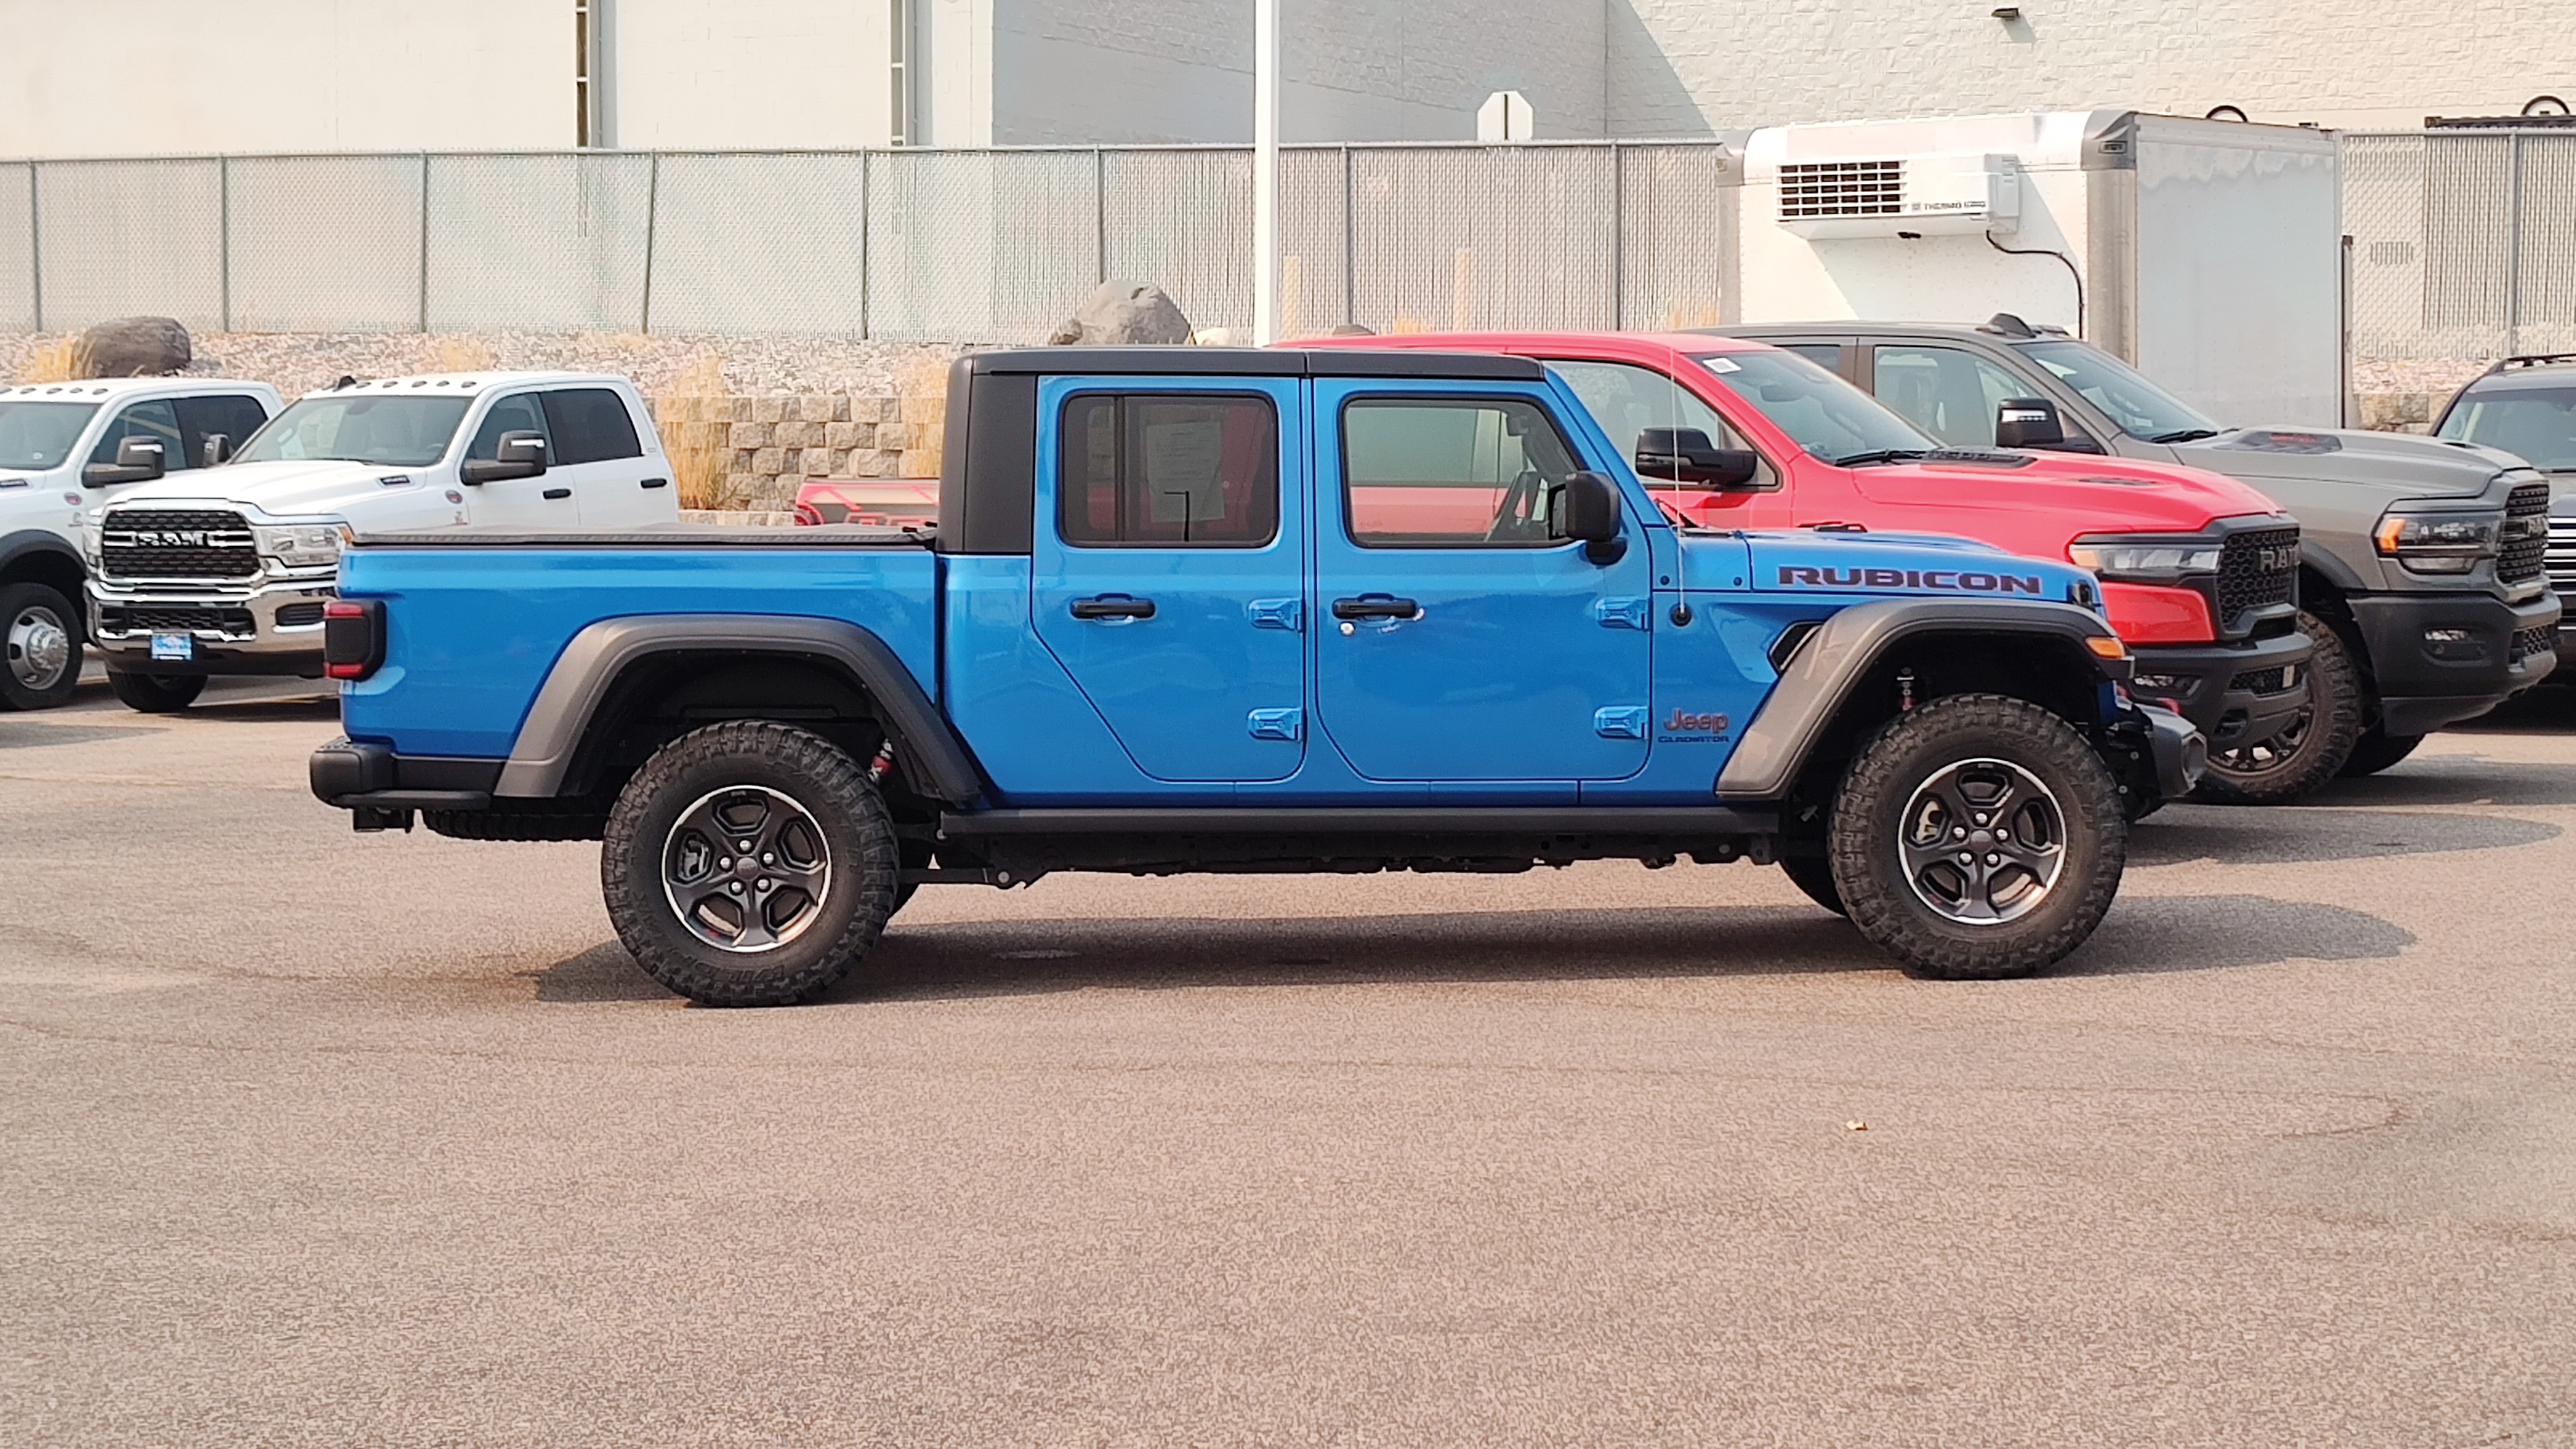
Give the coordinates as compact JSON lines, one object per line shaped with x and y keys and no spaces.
{"x":1080,"y":71}
{"x":775,"y":75}
{"x":1685,"y":67}
{"x":159,"y":77}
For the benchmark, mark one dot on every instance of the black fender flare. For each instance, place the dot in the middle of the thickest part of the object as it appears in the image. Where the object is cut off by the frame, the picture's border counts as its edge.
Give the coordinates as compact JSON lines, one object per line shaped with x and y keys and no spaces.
{"x":1830,"y":663}
{"x":18,"y":546}
{"x":561,"y":716}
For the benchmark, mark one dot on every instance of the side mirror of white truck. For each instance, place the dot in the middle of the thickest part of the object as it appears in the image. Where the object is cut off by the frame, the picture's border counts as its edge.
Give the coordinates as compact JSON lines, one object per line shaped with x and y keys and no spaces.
{"x":138,"y":460}
{"x":516,"y":455}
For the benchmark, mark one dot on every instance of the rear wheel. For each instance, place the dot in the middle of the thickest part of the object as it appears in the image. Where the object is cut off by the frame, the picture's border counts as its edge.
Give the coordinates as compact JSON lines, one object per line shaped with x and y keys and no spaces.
{"x":42,"y":633}
{"x":749,"y":864}
{"x":2376,"y":750}
{"x":1977,"y":837}
{"x":2304,"y":756}
{"x":156,"y":693}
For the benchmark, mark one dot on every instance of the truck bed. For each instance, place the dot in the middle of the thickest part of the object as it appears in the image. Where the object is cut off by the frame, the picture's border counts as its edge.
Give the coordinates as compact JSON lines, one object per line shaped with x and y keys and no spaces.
{"x":659,"y":535}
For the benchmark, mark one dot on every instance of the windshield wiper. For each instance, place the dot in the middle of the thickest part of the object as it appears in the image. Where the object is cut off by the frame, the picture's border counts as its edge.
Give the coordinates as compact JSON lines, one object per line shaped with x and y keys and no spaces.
{"x":1881,"y":455}
{"x":2184,"y":435}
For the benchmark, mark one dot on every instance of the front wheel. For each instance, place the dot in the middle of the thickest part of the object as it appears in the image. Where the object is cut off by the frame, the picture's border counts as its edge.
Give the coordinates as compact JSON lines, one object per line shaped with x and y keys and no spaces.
{"x":156,"y":693}
{"x":749,"y":864}
{"x":1977,"y":837}
{"x":42,"y":633}
{"x":2310,"y":749}
{"x":2376,"y":750}
{"x":1814,"y":875}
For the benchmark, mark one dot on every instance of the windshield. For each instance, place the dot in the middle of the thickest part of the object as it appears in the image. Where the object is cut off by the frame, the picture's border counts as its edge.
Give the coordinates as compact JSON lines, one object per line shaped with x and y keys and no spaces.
{"x":40,"y":434}
{"x":2142,"y":409}
{"x":2537,"y":424}
{"x":405,"y":432}
{"x":1820,"y":412}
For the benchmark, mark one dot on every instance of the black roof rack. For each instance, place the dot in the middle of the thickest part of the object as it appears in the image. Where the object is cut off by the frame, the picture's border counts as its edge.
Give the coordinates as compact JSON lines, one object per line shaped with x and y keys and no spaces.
{"x":1256,"y":362}
{"x":2533,"y":359}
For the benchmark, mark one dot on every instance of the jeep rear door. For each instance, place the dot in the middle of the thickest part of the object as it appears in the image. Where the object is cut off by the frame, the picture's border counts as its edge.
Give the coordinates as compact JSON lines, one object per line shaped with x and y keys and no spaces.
{"x":1168,"y":565}
{"x":1459,"y":636}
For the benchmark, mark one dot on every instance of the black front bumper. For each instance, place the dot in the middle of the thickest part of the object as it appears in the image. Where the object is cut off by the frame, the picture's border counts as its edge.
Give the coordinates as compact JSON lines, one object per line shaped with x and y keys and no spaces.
{"x":2234,"y":694}
{"x":2182,"y":756}
{"x":2438,"y":659}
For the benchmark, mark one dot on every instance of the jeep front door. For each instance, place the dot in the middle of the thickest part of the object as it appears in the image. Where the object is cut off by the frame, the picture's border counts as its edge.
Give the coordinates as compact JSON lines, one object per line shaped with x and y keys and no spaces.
{"x":1460,"y":635}
{"x":1168,"y":563}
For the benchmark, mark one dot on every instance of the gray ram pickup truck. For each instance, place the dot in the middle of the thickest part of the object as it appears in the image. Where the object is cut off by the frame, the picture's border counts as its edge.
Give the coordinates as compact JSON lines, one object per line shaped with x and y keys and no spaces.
{"x":2421,"y":578}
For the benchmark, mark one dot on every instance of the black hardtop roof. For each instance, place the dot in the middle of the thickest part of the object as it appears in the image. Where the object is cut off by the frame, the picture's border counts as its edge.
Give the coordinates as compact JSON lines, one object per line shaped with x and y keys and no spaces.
{"x":1255,"y":362}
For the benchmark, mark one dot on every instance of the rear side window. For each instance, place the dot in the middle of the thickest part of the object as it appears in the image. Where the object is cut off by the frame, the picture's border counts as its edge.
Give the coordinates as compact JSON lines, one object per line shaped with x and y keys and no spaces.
{"x":232,"y":415}
{"x":1827,"y":355}
{"x":156,"y":420}
{"x":1168,"y":470}
{"x":590,"y":425}
{"x":1452,"y":473}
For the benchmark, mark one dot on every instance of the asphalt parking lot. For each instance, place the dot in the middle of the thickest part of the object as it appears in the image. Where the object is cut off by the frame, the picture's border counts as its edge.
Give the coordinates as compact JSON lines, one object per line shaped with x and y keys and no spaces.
{"x":322,"y":1139}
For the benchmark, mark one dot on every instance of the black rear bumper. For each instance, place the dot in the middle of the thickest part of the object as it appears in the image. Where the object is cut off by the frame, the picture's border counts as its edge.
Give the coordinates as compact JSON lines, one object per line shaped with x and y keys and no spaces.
{"x":2234,"y":694}
{"x":361,"y":775}
{"x":2439,"y":659}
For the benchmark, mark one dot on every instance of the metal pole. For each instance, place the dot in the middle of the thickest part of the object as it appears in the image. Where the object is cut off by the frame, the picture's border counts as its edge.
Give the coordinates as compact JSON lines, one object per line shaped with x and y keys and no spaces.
{"x":35,"y":250}
{"x":424,"y":241}
{"x":2513,"y":251}
{"x":652,"y":218}
{"x":1618,"y":243}
{"x":1100,"y":214}
{"x":867,"y":220}
{"x":224,"y":231}
{"x":1265,"y":172}
{"x":1350,"y":243}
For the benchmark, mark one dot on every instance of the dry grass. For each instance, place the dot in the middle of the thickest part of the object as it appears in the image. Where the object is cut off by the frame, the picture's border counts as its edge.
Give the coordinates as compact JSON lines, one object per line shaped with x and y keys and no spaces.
{"x":455,"y":354}
{"x":695,"y":417}
{"x":62,"y":362}
{"x":925,"y":416}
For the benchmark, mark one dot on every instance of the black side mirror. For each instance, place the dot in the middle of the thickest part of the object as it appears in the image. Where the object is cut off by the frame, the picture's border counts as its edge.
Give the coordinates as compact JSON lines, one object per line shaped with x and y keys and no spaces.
{"x":138,"y":460}
{"x":1592,"y":516}
{"x":1685,"y":456}
{"x":516,"y":455}
{"x":2028,"y":422}
{"x":216,"y":449}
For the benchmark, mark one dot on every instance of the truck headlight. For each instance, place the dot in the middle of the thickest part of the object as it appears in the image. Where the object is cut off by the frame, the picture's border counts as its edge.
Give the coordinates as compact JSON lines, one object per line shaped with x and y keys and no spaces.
{"x":301,"y":545}
{"x":2439,"y":543}
{"x":2142,"y":560}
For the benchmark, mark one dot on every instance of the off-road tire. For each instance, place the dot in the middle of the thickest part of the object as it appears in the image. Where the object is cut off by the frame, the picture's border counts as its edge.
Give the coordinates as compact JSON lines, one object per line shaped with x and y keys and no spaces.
{"x":38,"y":614}
{"x":2321,"y":739}
{"x":2376,"y":750}
{"x":1814,"y":874}
{"x":819,"y":779}
{"x":156,"y":693}
{"x":1903,"y":757}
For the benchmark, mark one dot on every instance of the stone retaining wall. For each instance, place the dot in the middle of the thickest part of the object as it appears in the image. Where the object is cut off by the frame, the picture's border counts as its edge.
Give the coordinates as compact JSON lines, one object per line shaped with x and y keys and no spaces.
{"x":765,"y":447}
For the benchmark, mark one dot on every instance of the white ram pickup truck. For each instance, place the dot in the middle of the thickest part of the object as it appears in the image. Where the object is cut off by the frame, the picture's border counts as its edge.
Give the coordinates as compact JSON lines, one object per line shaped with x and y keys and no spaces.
{"x":227,"y":571}
{"x":65,"y":448}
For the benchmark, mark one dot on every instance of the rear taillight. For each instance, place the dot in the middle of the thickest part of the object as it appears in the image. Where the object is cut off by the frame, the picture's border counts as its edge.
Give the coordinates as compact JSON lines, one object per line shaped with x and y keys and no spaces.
{"x":353,"y":637}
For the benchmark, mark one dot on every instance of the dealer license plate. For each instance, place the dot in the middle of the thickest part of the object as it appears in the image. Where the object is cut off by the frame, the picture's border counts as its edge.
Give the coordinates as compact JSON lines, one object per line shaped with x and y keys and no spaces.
{"x":174,"y":646}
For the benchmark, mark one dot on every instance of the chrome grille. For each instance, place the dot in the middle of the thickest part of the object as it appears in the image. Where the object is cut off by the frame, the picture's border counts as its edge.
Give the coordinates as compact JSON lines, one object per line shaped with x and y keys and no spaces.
{"x":2527,"y":542}
{"x":2256,"y":570}
{"x":176,"y":543}
{"x":2561,"y":557}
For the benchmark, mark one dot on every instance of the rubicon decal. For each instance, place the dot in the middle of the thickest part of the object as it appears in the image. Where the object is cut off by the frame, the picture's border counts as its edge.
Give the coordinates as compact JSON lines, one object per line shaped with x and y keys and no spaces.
{"x":1974,"y":583}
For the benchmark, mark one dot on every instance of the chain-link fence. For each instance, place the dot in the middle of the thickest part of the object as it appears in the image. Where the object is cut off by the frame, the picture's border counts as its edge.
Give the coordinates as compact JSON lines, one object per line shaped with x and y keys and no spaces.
{"x":995,"y":245}
{"x":2463,"y":244}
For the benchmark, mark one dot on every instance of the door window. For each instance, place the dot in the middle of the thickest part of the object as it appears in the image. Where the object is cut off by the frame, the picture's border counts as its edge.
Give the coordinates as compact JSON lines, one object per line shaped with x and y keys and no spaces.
{"x":1627,"y":399}
{"x":1168,"y":470}
{"x":515,"y":414}
{"x":1453,"y":473}
{"x":1948,"y":392}
{"x":1827,"y":355}
{"x":233,"y":415}
{"x":589,"y":425}
{"x":156,"y":420}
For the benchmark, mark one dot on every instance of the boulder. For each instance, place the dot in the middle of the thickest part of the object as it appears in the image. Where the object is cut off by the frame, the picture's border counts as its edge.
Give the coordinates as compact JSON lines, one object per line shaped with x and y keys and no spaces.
{"x":134,"y":347}
{"x":1123,"y":313}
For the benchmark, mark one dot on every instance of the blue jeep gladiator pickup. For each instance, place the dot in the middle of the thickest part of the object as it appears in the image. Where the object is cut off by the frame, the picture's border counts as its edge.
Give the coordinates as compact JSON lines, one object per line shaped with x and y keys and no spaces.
{"x":1199,"y":609}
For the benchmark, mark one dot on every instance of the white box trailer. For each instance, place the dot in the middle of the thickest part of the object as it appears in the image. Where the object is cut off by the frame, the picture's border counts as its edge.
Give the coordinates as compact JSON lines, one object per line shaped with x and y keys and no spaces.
{"x":2207,"y":253}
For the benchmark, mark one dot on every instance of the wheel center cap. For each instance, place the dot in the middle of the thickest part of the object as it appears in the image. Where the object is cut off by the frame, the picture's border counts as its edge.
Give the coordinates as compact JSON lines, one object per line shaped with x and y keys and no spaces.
{"x":746,"y":867}
{"x":1983,"y":837}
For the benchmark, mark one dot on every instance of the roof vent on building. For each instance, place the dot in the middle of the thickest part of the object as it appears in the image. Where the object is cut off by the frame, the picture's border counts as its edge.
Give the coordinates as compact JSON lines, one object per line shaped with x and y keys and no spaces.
{"x":1913,"y":195}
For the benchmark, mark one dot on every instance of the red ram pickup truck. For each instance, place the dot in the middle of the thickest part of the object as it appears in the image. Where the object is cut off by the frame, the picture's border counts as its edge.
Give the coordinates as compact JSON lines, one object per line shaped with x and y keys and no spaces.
{"x":2199,"y":572}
